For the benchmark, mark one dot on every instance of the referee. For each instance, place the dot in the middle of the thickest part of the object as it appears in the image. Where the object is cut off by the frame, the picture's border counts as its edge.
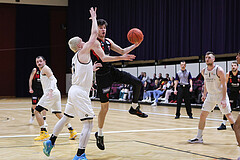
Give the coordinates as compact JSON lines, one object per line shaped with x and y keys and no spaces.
{"x":184,"y":82}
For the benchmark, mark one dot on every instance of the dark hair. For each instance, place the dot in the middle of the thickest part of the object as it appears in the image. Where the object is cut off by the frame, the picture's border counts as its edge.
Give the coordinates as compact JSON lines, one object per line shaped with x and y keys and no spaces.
{"x":41,"y":57}
{"x":102,"y":22}
{"x":182,"y":61}
{"x":235,"y":63}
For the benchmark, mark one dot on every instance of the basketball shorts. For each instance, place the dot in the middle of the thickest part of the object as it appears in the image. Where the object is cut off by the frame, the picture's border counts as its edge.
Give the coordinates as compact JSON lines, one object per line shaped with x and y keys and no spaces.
{"x":36,"y":95}
{"x":79,"y":103}
{"x":53,"y":103}
{"x":213,"y":99}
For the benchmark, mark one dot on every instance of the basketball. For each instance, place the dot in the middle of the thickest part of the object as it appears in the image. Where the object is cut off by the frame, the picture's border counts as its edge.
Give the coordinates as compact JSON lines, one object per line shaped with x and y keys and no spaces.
{"x":135,"y":35}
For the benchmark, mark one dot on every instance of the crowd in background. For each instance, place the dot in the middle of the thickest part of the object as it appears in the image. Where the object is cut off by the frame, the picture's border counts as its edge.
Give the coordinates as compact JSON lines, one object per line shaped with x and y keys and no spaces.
{"x":154,"y":90}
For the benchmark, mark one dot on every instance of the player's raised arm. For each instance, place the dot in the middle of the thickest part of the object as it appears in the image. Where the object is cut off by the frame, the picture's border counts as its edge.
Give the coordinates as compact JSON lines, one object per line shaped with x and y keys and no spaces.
{"x":120,"y":50}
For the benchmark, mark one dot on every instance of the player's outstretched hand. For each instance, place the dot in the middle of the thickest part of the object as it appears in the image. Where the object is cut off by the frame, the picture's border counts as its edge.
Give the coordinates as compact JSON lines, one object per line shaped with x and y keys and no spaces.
{"x":93,"y":12}
{"x":128,"y":57}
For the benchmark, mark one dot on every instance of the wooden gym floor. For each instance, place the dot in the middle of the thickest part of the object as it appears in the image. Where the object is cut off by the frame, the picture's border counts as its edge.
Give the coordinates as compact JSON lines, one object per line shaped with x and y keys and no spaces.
{"x":127,"y":137}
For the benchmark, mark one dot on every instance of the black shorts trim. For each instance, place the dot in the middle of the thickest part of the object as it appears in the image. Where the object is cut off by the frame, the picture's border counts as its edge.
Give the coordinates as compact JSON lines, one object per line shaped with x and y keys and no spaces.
{"x":56,"y":112}
{"x":40,"y":108}
{"x":68,"y":115}
{"x":86,"y":119}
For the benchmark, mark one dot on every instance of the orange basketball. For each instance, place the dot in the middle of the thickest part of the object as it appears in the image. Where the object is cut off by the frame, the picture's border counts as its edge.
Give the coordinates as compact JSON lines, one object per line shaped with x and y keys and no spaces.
{"x":135,"y":35}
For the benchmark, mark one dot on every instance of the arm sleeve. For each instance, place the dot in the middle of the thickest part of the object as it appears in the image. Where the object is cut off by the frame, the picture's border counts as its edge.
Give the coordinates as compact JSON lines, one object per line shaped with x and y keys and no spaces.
{"x":177,"y":78}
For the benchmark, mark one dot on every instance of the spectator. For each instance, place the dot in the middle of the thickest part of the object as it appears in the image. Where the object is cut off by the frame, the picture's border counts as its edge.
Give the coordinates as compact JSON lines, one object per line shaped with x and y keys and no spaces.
{"x":159,"y":91}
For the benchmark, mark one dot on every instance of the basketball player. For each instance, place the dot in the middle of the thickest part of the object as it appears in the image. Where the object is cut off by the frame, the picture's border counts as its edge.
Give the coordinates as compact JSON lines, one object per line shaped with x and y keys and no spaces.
{"x":79,"y":103}
{"x":114,"y":75}
{"x":215,"y":92}
{"x":233,"y":79}
{"x":51,"y":99}
{"x":35,"y":88}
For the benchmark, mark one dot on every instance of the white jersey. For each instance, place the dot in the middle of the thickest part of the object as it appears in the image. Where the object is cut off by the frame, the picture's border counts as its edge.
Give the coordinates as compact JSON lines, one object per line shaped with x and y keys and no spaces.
{"x":82,"y":73}
{"x":46,"y":82}
{"x":212,"y":81}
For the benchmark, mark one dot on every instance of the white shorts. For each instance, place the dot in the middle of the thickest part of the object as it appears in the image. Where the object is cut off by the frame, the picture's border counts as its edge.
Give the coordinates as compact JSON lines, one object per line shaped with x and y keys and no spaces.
{"x":79,"y":103}
{"x":53,"y":103}
{"x":211,"y":101}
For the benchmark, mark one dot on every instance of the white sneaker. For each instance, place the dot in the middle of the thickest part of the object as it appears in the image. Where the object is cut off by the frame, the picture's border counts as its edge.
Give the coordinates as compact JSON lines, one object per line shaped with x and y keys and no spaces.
{"x":166,"y":101}
{"x":31,"y":120}
{"x":195,"y":140}
{"x":154,"y":104}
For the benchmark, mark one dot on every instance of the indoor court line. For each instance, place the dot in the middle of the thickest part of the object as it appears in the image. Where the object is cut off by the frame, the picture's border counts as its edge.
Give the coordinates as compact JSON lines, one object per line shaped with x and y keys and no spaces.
{"x":113,"y":132}
{"x":150,"y":113}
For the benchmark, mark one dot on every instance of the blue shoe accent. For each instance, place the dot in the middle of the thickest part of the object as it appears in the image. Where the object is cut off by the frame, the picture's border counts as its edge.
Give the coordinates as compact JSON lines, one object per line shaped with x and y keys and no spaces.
{"x":82,"y":157}
{"x":47,"y":147}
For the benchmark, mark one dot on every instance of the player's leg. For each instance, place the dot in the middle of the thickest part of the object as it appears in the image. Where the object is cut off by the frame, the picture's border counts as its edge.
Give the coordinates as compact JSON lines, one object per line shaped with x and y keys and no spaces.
{"x":34,"y":103}
{"x":48,"y":145}
{"x":237,"y":129}
{"x":127,"y":78}
{"x":201,"y":125}
{"x":43,"y":133}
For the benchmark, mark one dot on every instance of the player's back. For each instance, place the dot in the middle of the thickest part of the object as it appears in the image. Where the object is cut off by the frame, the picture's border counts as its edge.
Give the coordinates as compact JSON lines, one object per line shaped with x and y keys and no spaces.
{"x":82,"y":73}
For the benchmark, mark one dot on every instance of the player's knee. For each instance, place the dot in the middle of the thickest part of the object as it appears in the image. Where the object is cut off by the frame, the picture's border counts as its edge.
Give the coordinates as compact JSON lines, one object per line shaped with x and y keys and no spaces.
{"x":58,"y":114}
{"x":39,"y":109}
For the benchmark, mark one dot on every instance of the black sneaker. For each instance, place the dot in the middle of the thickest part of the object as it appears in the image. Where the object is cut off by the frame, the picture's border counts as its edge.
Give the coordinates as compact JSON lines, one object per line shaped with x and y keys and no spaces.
{"x":191,"y":117}
{"x":222,"y":127}
{"x":137,"y":112}
{"x":177,"y":117}
{"x":99,"y":141}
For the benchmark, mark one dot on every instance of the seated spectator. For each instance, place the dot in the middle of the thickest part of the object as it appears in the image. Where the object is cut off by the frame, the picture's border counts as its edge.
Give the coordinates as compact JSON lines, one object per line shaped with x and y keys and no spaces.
{"x":150,"y":91}
{"x":145,"y":78}
{"x":93,"y":91}
{"x":169,"y":90}
{"x":159,"y":91}
{"x":124,"y":92}
{"x":145,"y":89}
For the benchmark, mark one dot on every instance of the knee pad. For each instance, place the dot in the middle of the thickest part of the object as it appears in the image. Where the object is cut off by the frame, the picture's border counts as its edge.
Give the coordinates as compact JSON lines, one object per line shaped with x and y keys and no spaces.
{"x":40,"y":108}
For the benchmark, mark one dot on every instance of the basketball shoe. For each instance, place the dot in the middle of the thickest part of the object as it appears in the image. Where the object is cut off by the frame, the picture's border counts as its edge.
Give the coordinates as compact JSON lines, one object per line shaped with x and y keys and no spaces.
{"x":43,"y":136}
{"x":137,"y":112}
{"x":82,"y":157}
{"x":47,"y":147}
{"x":73,"y":134}
{"x":195,"y":140}
{"x":222,"y":127}
{"x":99,"y":141}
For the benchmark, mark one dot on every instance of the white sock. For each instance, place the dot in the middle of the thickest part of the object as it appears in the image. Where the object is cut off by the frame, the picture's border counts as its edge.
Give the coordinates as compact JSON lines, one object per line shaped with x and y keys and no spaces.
{"x":60,"y":124}
{"x":134,"y":105}
{"x":224,"y":122}
{"x":69,"y":125}
{"x":100,"y":132}
{"x":85,"y":134}
{"x":199,"y":134}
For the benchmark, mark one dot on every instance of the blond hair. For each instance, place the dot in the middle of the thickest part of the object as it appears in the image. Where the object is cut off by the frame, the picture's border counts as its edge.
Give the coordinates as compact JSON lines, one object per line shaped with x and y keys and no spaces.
{"x":73,"y":43}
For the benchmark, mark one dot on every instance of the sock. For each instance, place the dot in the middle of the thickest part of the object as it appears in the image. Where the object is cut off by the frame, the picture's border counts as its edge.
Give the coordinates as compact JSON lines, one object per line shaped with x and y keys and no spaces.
{"x":100,"y":132}
{"x":80,"y":152}
{"x":70,"y":128}
{"x":199,"y":134}
{"x":134,"y":105}
{"x":44,"y":118}
{"x":53,"y":139}
{"x":44,"y":129}
{"x":85,"y":134}
{"x":224,"y":122}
